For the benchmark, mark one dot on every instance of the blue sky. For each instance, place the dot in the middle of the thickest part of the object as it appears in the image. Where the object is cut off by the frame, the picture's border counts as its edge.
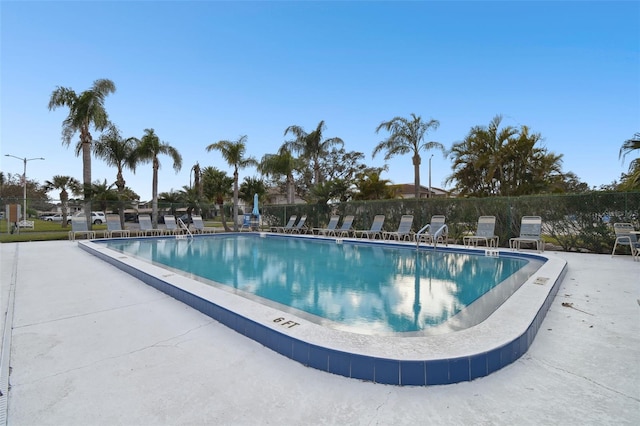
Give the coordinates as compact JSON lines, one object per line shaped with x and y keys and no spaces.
{"x":204,"y":71}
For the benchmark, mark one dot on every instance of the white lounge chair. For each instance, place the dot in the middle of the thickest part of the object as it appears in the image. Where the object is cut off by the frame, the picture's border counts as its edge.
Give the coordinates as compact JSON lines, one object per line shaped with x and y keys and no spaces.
{"x":404,"y":229}
{"x":79,"y":228}
{"x":146,"y":227}
{"x":345,"y":229}
{"x":331,"y":226}
{"x":625,"y":236}
{"x":113,"y":227}
{"x":198,"y":225}
{"x":375,"y":231}
{"x":530,"y":232}
{"x":171,"y":225}
{"x":287,"y":227}
{"x":485,"y":231}
{"x":300,"y":227}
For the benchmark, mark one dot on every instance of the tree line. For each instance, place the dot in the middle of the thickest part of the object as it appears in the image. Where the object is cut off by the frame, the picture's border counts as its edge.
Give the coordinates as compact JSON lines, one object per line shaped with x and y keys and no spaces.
{"x":493,"y":160}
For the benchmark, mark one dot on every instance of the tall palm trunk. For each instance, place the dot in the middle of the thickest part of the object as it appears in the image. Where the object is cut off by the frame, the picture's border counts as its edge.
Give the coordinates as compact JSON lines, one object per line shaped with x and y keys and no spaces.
{"x":154,"y":194}
{"x":235,"y":200}
{"x":223,"y":217}
{"x":64,"y":200}
{"x":316,"y":171}
{"x":85,"y":138}
{"x":197,"y":182}
{"x":290,"y":189}
{"x":120,"y":184}
{"x":416,"y":174}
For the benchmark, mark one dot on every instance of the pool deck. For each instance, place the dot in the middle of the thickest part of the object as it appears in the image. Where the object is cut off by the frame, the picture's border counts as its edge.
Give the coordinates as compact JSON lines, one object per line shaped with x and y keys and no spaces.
{"x":91,"y":345}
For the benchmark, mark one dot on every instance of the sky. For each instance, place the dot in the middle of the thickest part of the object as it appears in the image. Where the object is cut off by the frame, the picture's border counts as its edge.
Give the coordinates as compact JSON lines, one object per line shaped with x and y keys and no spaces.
{"x":198,"y":72}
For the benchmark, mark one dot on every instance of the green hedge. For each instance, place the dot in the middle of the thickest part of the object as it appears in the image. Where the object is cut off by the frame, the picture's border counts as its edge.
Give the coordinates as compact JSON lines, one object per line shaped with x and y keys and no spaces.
{"x":573,"y":222}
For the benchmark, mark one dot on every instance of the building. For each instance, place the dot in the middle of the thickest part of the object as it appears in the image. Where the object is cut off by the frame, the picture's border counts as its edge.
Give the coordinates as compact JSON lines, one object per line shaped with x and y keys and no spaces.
{"x":407,"y":190}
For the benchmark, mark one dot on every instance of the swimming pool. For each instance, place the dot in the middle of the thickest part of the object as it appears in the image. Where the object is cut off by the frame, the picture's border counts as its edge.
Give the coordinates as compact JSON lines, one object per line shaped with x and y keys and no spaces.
{"x":417,"y":357}
{"x":363,"y":288}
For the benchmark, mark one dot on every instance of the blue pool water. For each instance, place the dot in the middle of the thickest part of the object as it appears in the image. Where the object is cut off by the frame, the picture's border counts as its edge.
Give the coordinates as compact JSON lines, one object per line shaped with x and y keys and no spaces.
{"x":360,"y":285}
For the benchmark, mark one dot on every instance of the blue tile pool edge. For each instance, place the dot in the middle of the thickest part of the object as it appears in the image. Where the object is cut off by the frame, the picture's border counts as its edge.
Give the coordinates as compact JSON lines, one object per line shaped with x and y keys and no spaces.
{"x":376,"y":369}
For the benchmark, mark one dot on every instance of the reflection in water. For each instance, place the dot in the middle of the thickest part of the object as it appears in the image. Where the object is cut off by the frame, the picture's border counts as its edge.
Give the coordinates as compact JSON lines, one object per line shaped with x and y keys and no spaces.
{"x":386,"y":289}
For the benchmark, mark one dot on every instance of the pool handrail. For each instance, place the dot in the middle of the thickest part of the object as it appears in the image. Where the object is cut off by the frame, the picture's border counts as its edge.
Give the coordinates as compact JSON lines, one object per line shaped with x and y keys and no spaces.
{"x":435,"y":230}
{"x":184,"y":226}
{"x":443,"y":230}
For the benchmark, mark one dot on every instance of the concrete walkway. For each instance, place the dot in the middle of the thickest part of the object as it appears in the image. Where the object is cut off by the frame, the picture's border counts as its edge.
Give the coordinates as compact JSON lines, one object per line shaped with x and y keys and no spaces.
{"x":90,"y":345}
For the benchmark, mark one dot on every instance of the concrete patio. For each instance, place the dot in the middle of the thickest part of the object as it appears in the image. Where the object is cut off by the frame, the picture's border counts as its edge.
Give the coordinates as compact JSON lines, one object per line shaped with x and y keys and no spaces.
{"x":91,"y":345}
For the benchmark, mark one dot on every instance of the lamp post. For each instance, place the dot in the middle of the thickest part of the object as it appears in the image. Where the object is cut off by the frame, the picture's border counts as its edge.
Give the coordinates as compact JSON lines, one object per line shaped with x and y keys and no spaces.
{"x":429,"y":195}
{"x":24,"y":181}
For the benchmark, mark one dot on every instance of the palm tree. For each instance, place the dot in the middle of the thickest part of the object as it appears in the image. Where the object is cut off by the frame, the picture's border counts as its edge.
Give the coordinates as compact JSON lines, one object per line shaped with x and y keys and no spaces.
{"x":633,"y":144}
{"x":249,"y":187}
{"x":281,"y":164}
{"x":406,"y":136}
{"x":64,"y":184}
{"x":119,"y":152}
{"x":191,"y":198}
{"x":172,"y":199}
{"x":104,"y":194}
{"x":372,"y":187}
{"x":494,"y":160}
{"x":197,"y":175}
{"x":311,"y":146}
{"x":148,"y":149}
{"x":216,"y":186}
{"x":233,"y":153}
{"x":527,"y":168}
{"x":494,"y":152}
{"x":85,"y":110}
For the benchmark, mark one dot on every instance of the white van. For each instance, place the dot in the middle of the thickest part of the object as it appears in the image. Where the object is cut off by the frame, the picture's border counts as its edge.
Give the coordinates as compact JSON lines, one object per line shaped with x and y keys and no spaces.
{"x":97,"y":218}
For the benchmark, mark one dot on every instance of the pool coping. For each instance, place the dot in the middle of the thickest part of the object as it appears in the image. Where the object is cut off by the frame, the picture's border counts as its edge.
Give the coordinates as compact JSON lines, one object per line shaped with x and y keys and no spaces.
{"x":416,"y":360}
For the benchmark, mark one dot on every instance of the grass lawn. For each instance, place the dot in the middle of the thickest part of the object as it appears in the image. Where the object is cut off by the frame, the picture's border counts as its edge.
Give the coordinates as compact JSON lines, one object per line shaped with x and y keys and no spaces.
{"x":42,"y":231}
{"x":47,"y":231}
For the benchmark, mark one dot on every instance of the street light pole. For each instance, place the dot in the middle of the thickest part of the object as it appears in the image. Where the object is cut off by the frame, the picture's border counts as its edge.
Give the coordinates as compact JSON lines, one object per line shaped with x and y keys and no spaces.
{"x":24,"y":181}
{"x":429,"y":195}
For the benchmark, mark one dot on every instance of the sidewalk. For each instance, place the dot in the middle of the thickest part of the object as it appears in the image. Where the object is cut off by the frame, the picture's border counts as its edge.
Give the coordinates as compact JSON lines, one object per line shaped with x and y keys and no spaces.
{"x":91,"y":345}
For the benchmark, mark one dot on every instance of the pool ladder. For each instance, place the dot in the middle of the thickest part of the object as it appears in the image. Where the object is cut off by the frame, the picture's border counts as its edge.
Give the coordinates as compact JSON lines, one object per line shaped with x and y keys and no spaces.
{"x":436,"y":236}
{"x":184,"y":226}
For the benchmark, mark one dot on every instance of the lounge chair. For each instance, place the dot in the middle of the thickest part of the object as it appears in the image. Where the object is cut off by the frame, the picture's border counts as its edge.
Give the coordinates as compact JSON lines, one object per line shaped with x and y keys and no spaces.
{"x":435,"y":232}
{"x":376,"y":228}
{"x":331,"y":226}
{"x":172,"y":225}
{"x":146,"y":227}
{"x":485,"y":231}
{"x":79,"y":228}
{"x":345,"y":229}
{"x":404,"y":229}
{"x":287,"y":227}
{"x":625,"y":236}
{"x":246,"y":222}
{"x":113,"y":227}
{"x":198,"y":225}
{"x":300,"y":227}
{"x":530,"y":232}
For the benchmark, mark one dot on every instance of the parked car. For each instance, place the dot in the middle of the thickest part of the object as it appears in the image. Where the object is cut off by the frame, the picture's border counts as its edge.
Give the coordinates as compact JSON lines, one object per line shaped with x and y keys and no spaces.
{"x":97,"y":218}
{"x":54,"y":217}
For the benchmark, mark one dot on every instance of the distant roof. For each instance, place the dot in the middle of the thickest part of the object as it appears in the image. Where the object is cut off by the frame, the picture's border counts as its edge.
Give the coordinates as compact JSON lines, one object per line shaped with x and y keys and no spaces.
{"x":409,"y":188}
